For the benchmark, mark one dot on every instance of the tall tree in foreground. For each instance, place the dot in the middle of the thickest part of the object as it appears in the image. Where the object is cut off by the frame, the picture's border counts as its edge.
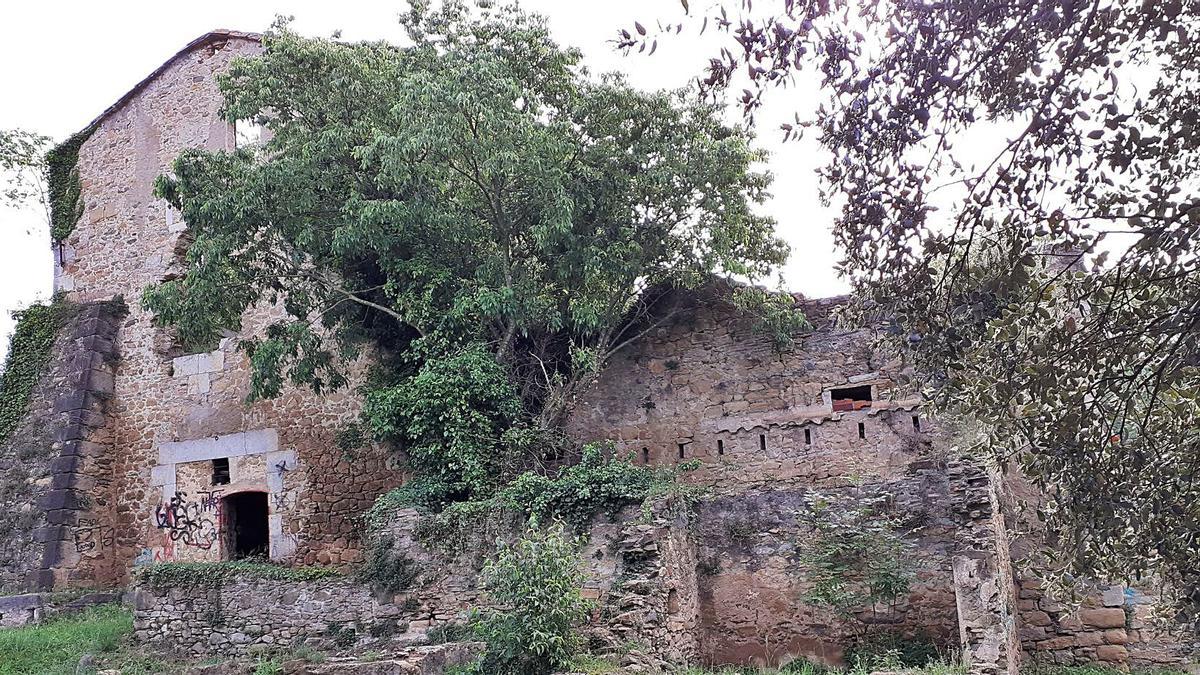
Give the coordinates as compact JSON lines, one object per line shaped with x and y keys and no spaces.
{"x":1054,"y":300}
{"x":494,"y":220}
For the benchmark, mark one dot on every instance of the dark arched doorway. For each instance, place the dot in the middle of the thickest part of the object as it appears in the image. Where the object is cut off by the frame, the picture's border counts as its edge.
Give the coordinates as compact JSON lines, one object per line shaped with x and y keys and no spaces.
{"x":246,"y":531}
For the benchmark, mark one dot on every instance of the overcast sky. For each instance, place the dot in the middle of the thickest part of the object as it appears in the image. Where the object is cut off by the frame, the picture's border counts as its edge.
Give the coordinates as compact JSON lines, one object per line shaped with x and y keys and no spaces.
{"x":63,"y":62}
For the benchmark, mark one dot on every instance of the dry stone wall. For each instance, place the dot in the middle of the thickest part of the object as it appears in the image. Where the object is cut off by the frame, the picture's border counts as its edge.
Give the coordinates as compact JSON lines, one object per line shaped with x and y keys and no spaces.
{"x":246,"y":615}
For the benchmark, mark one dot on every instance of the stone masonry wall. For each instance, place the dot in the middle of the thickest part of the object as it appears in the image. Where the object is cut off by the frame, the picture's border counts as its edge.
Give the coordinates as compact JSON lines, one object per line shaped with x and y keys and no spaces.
{"x":174,"y":413}
{"x":245,"y":615}
{"x":752,"y":585}
{"x":57,"y":463}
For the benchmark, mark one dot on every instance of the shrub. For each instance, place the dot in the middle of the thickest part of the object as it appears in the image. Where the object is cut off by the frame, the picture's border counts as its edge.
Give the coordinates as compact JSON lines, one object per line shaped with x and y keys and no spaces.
{"x":386,"y":569}
{"x":535,"y":585}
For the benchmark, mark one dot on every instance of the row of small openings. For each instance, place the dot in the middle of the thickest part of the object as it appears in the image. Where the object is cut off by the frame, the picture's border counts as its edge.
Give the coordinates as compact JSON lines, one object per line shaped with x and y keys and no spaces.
{"x":762,"y":440}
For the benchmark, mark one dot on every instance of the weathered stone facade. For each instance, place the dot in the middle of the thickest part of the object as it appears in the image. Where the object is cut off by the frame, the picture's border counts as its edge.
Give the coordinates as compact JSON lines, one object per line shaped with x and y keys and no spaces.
{"x":177,"y":466}
{"x":171,"y":414}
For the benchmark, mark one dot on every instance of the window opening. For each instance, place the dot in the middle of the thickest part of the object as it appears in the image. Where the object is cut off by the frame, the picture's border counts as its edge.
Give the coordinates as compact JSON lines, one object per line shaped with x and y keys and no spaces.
{"x":220,"y":471}
{"x":851,"y":398}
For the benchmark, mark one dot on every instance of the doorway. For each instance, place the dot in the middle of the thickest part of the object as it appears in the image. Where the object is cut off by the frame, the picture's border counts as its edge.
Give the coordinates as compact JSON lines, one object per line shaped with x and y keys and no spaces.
{"x":246,"y":531}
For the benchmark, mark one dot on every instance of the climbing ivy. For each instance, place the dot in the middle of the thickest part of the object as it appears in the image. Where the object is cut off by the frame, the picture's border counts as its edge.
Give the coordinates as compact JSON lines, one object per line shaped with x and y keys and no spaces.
{"x":63,"y":186}
{"x":171,"y":574}
{"x":29,"y":351}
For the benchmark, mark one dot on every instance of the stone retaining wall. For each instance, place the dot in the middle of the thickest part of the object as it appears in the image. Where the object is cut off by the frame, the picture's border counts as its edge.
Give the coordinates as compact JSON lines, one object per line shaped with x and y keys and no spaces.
{"x":249,"y":615}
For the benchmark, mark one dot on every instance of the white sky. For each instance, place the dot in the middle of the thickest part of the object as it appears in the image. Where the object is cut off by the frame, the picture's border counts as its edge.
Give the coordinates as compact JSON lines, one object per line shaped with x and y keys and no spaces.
{"x":63,"y":62}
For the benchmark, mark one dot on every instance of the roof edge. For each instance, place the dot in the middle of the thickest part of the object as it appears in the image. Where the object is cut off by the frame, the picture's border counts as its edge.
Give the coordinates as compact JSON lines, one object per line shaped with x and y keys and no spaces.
{"x":207,"y":38}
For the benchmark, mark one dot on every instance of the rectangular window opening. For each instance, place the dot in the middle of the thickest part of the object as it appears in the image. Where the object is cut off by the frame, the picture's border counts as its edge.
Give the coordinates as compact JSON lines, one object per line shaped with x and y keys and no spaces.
{"x":851,"y":398}
{"x":916,"y":423}
{"x":682,"y":449}
{"x":862,"y":430}
{"x":808,"y":436}
{"x":645,"y":455}
{"x":720,"y":447}
{"x":762,"y":442}
{"x":220,"y":471}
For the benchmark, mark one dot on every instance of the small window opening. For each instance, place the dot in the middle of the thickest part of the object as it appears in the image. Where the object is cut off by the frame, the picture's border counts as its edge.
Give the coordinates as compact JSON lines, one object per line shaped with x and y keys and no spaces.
{"x":851,"y":398}
{"x":220,"y":471}
{"x":720,"y":447}
{"x":916,"y":423}
{"x":808,"y":436}
{"x":645,"y":455}
{"x":762,"y":442}
{"x":862,"y":430}
{"x":682,"y":449}
{"x":246,"y":531}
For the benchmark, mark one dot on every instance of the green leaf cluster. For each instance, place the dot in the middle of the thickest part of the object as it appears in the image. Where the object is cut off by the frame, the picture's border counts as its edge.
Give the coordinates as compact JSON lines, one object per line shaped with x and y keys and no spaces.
{"x":573,"y":494}
{"x":535,"y":586}
{"x":63,"y":189}
{"x":171,"y":574}
{"x":475,"y":209}
{"x":856,"y":559}
{"x":29,"y":352}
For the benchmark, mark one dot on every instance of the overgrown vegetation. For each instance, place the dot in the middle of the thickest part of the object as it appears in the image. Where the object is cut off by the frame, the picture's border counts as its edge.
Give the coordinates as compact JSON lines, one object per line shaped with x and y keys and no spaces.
{"x":386,"y":569}
{"x":1019,"y":192}
{"x":535,"y":586}
{"x":55,"y":647}
{"x":170,"y":574}
{"x":494,"y":220}
{"x":29,"y":352}
{"x":857,"y":559}
{"x":574,"y":495}
{"x":63,"y":189}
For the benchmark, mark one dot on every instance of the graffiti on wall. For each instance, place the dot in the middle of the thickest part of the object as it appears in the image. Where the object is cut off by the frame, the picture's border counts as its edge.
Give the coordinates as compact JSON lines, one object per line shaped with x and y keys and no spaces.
{"x":193,"y":523}
{"x":91,"y":537}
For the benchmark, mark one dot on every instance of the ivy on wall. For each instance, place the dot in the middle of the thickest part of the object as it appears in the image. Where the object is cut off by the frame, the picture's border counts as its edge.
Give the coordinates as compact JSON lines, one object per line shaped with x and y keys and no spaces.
{"x":214,"y":574}
{"x":29,"y":351}
{"x":63,"y":185}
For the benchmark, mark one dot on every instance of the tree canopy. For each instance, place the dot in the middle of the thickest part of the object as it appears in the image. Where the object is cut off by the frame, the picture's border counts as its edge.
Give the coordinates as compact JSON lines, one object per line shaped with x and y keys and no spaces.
{"x":1018,"y":182}
{"x":495,"y":221}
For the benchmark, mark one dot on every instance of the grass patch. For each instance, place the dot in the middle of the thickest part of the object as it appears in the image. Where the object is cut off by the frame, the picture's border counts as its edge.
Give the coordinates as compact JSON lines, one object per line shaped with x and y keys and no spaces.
{"x":55,"y":647}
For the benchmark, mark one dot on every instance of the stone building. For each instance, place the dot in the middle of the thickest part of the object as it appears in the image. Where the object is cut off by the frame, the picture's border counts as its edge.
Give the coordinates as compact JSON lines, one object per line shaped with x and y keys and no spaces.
{"x":140,"y":453}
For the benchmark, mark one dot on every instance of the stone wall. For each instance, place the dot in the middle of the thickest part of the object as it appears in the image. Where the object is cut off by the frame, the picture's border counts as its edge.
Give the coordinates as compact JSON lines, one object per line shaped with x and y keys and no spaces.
{"x":704,"y":385}
{"x":250,"y":614}
{"x":57,"y":462}
{"x":752,"y":584}
{"x":171,"y":411}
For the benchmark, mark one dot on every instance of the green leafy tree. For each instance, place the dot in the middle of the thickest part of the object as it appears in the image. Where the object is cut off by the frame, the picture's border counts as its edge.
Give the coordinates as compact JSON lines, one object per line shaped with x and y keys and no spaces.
{"x":1018,"y":181}
{"x":492,"y":218}
{"x":22,"y":165}
{"x":535,"y":584}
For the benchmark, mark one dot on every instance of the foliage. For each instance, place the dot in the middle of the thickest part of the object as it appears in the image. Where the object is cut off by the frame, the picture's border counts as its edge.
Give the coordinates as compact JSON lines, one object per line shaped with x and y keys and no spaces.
{"x":29,"y":352}
{"x":63,"y":189}
{"x":856,"y":559}
{"x":22,"y":162}
{"x":55,"y":647}
{"x":892,"y":651}
{"x":574,"y":494}
{"x":495,"y":220}
{"x":450,"y":418}
{"x":386,"y":569}
{"x":775,"y":315}
{"x":171,"y":574}
{"x":535,"y":584}
{"x":592,"y":485}
{"x":1018,"y":183}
